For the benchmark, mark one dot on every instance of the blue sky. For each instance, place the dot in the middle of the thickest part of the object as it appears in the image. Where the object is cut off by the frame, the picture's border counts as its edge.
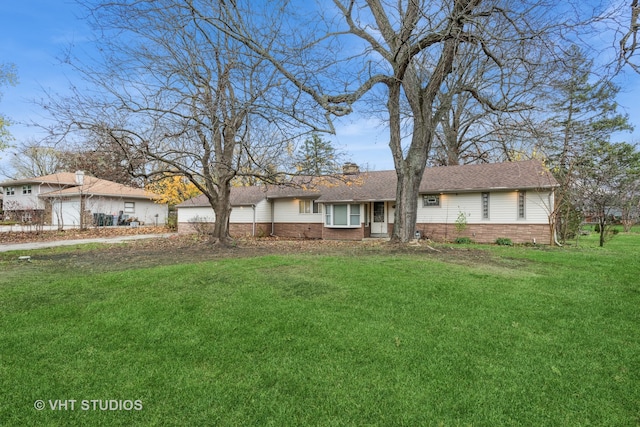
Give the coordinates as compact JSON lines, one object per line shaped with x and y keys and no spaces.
{"x":35,"y":33}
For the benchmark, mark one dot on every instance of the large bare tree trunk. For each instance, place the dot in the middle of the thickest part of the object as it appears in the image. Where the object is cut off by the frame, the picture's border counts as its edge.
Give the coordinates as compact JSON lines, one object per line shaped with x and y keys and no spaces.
{"x":406,"y":205}
{"x":179,"y":93}
{"x":222,"y":208}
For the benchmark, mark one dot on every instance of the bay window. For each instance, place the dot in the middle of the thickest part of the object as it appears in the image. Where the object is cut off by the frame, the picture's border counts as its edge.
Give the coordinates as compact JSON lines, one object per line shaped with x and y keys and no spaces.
{"x":342,"y":215}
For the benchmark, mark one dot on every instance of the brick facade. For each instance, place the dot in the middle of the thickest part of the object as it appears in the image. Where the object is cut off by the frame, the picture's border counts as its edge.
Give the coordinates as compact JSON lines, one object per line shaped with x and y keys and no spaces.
{"x":298,"y":230}
{"x":479,"y":233}
{"x":245,"y":229}
{"x":488,"y":233}
{"x":343,"y":233}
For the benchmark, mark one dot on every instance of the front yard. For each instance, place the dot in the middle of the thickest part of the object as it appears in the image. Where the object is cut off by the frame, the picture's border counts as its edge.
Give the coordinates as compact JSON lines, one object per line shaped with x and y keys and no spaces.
{"x":298,"y":334}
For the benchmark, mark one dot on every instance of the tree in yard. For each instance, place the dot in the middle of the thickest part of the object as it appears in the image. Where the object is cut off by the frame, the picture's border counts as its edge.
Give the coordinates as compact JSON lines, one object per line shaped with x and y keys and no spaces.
{"x":606,"y":174}
{"x":104,"y":158}
{"x":316,"y":157}
{"x":35,"y":159}
{"x":173,"y":189}
{"x":630,"y":205}
{"x":584,"y":110}
{"x":185,"y":96}
{"x":408,"y":49}
{"x":474,"y":130}
{"x":459,"y":138}
{"x":629,"y":42}
{"x":8,"y":76}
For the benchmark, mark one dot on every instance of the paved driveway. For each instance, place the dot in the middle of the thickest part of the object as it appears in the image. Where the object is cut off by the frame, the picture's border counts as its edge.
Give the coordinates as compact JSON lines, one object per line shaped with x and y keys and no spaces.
{"x":41,"y":245}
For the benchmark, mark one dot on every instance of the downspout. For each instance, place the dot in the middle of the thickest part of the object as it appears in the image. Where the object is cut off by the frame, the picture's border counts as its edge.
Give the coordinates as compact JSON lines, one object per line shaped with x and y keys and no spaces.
{"x":253,"y":229}
{"x":273,"y":225}
{"x":552,"y":201}
{"x":555,"y":237}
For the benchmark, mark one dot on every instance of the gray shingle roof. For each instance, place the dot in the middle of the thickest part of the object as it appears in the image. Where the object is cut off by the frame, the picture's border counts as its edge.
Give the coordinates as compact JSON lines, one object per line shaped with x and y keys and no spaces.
{"x":240,"y":196}
{"x":523,"y":175}
{"x":381,"y":185}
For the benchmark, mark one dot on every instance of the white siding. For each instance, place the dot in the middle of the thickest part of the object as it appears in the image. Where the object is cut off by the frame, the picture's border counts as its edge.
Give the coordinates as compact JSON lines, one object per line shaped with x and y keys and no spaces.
{"x":288,"y":211}
{"x":450,"y":207}
{"x":66,"y":212}
{"x":239,"y":214}
{"x":503,"y":208}
{"x":190,"y":214}
{"x":146,"y":210}
{"x":19,"y":201}
{"x":538,"y":207}
{"x":263,"y":211}
{"x":242,"y":215}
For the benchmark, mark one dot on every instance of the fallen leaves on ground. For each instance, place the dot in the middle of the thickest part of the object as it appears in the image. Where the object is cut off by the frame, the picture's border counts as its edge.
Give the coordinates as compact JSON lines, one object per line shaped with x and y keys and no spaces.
{"x":27,"y":235}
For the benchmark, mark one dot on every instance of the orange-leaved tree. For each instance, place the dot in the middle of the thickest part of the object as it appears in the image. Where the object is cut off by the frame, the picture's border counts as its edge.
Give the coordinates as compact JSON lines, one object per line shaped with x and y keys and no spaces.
{"x":173,"y":189}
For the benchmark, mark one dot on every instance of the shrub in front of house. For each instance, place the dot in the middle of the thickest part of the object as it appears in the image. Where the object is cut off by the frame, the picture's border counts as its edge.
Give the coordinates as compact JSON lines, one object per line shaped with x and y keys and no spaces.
{"x":201,"y":225}
{"x":463,"y":240}
{"x":504,"y":241}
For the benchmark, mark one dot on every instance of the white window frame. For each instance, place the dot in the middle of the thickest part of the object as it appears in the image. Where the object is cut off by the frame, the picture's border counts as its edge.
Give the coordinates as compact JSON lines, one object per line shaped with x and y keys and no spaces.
{"x":129,"y":208}
{"x":522,"y":204}
{"x":304,"y":206}
{"x":485,"y":200}
{"x":309,"y":207}
{"x":354,"y":220}
{"x":26,"y":189}
{"x":426,"y":203}
{"x":10,"y":191}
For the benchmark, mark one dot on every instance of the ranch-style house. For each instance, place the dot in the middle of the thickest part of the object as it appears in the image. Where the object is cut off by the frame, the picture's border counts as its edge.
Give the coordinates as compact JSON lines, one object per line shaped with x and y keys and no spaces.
{"x":482,"y":202}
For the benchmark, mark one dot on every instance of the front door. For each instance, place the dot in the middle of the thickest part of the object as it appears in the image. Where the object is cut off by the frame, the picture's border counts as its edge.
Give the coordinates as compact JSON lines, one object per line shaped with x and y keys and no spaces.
{"x":379,"y":223}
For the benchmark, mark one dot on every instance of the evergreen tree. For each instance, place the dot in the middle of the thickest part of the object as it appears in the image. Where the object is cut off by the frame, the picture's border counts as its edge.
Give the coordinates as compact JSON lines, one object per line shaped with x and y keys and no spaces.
{"x":317,"y":157}
{"x":584,"y":111}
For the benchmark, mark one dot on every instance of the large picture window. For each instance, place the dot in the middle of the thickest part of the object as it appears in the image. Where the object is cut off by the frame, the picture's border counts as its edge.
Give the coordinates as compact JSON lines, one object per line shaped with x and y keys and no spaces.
{"x":342,"y":215}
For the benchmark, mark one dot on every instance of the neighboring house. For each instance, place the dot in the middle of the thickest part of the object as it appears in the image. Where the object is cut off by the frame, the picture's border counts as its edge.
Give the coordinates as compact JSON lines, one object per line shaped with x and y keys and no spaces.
{"x":511,"y":200}
{"x":67,"y":199}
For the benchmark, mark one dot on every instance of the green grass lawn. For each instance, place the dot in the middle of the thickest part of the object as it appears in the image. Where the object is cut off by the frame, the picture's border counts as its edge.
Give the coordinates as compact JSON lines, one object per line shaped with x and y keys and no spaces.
{"x":530,"y":336}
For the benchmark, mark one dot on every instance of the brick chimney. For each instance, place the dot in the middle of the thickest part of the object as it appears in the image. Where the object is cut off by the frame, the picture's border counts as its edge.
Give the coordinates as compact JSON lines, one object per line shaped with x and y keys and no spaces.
{"x":350,"y":169}
{"x":80,"y":177}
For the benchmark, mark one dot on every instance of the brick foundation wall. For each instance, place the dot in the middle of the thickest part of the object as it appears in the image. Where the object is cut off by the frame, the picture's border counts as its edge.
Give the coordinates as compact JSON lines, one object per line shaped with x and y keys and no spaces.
{"x":488,"y":233}
{"x":298,"y":230}
{"x":187,"y":227}
{"x":235,"y":229}
{"x":246,"y":230}
{"x":480,"y":233}
{"x":343,"y":233}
